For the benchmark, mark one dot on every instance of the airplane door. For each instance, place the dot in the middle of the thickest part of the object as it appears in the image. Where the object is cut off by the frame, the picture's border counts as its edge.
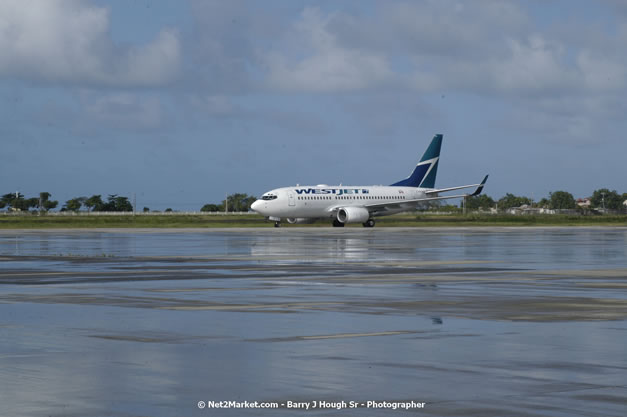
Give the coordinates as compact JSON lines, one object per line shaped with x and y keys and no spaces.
{"x":290,"y":198}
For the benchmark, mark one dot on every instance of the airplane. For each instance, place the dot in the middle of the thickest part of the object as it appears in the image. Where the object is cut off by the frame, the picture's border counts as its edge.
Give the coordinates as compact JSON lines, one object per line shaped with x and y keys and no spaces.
{"x":359,"y":204}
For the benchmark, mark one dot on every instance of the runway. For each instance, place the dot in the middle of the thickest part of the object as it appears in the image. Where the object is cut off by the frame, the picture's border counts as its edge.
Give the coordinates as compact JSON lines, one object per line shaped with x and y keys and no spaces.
{"x":468,"y":321}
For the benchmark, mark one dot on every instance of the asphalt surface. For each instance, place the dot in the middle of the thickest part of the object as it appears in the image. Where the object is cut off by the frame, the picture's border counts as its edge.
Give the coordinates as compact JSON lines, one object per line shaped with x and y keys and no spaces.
{"x":474,"y":322}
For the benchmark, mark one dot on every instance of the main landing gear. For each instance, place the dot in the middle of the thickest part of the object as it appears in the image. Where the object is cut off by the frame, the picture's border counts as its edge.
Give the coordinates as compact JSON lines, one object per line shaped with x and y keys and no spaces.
{"x":369,"y":223}
{"x":277,"y":224}
{"x":337,"y":223}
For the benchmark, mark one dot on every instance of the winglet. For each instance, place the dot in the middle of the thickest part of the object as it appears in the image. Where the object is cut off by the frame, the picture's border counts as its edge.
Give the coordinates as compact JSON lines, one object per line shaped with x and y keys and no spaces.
{"x":480,"y":187}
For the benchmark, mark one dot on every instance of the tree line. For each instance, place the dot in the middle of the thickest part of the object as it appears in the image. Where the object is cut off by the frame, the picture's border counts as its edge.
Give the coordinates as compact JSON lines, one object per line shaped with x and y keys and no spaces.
{"x":17,"y":202}
{"x":232,"y":203}
{"x":240,"y":202}
{"x":557,"y":200}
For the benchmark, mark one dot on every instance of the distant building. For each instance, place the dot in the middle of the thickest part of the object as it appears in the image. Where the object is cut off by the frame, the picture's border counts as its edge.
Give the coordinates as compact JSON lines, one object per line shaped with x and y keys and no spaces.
{"x":526,"y":209}
{"x":584,"y":203}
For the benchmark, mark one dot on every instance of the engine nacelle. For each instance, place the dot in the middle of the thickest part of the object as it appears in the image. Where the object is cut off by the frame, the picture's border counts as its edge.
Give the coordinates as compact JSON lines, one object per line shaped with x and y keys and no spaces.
{"x":300,"y":220}
{"x":352,"y":215}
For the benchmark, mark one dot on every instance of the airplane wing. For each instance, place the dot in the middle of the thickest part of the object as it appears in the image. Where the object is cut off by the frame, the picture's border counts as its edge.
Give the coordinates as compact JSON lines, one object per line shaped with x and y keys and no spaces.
{"x":477,"y":192}
{"x":411,"y":204}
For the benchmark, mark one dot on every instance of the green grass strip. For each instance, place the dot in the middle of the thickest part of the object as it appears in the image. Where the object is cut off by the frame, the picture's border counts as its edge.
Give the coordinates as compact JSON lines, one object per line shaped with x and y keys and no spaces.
{"x":34,"y":221}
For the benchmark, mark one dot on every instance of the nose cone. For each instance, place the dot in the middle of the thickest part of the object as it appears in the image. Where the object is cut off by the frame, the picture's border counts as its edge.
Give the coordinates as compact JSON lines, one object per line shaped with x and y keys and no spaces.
{"x":256,"y":206}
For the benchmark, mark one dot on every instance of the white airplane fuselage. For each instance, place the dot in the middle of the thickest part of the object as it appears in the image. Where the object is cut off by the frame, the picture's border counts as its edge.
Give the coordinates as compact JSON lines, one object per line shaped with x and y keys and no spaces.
{"x":321,"y":201}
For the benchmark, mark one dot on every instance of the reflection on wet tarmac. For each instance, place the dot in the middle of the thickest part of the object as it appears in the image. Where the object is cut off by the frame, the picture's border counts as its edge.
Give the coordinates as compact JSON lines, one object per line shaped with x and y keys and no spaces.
{"x":474,"y":322}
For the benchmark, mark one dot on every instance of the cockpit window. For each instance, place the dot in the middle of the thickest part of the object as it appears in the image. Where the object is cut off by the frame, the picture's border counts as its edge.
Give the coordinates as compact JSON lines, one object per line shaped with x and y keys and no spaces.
{"x":268,"y":197}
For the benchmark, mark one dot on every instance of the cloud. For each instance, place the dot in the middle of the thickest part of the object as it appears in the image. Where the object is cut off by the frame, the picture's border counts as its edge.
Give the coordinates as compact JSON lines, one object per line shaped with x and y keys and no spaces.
{"x":533,"y":65}
{"x":550,"y":78}
{"x":68,"y":42}
{"x":219,"y":52}
{"x":443,"y":28}
{"x":238,"y":51}
{"x":330,"y":67}
{"x":602,"y":73}
{"x":423,"y":46}
{"x":489,"y":47}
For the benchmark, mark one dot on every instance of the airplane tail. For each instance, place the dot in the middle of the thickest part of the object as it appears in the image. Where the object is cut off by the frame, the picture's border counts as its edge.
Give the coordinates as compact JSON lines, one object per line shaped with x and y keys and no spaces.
{"x":427,"y":168}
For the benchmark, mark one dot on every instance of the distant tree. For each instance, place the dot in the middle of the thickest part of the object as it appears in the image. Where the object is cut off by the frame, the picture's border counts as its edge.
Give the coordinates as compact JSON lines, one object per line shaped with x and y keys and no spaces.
{"x":117,"y":203}
{"x":168,"y":210}
{"x":449,"y":208}
{"x":611,"y":199}
{"x":432,"y":205}
{"x":146,"y":209}
{"x":211,"y":207}
{"x":7,"y":199}
{"x":94,"y":203}
{"x":17,"y":202}
{"x":239,"y":202}
{"x":73,"y":205}
{"x":44,"y":196}
{"x":32,"y":202}
{"x":122,"y":204}
{"x":481,"y":201}
{"x":110,"y":204}
{"x":28,"y":204}
{"x":562,"y":200}
{"x":49,"y":205}
{"x":511,"y":200}
{"x":44,"y":203}
{"x":544,"y":203}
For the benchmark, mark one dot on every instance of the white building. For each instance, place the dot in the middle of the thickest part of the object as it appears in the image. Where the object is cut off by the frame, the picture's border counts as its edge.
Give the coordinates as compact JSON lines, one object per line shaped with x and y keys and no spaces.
{"x":584,"y":203}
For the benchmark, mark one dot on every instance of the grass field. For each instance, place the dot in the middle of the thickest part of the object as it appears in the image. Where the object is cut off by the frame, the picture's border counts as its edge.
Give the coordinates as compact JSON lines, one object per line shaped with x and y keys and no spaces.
{"x":29,"y":221}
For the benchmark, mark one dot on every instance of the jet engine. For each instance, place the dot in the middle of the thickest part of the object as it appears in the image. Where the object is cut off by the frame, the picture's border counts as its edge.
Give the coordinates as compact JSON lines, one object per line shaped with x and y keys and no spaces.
{"x":352,"y":215}
{"x":300,"y":220}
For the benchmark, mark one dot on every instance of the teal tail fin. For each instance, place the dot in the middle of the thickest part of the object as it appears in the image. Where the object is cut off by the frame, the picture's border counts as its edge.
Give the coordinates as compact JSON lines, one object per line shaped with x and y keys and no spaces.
{"x":426,"y":170}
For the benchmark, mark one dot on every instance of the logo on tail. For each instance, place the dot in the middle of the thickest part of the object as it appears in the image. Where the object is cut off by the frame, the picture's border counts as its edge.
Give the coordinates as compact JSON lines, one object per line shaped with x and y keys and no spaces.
{"x":426,"y":170}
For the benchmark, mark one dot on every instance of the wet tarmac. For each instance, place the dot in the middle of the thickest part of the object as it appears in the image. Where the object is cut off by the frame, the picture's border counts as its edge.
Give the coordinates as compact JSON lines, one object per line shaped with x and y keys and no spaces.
{"x":473,"y":322}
